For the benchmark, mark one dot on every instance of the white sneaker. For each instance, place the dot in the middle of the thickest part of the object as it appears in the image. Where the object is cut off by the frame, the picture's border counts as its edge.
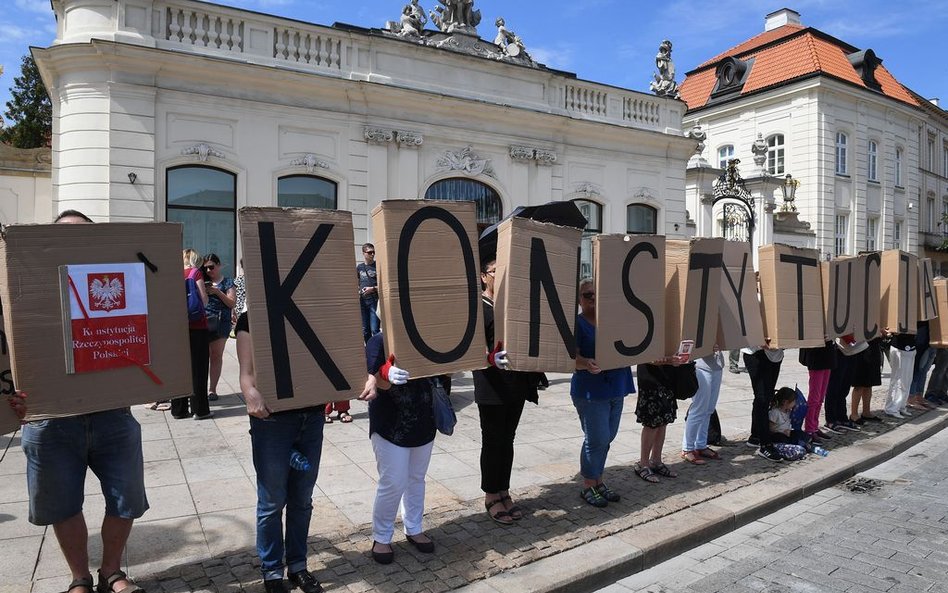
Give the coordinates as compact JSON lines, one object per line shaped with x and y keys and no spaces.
{"x":894,"y":415}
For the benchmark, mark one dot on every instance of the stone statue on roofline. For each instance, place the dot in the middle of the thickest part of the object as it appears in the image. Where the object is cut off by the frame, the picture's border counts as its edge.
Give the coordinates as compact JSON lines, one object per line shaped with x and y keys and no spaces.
{"x":413,"y":20}
{"x":509,"y":42}
{"x":664,"y":84}
{"x":456,"y":16}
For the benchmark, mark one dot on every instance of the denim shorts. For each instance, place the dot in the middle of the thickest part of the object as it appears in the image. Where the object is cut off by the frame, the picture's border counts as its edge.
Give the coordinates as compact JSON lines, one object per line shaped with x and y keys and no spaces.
{"x":59,"y":450}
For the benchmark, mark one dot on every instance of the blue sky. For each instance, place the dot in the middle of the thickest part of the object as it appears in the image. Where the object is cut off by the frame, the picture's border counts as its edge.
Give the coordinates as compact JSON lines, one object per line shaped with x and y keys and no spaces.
{"x":608,"y":41}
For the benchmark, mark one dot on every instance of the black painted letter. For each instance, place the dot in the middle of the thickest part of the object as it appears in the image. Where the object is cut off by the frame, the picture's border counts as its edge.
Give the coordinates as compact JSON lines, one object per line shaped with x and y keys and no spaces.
{"x":636,"y":302}
{"x":841,"y":327}
{"x":542,"y":277}
{"x":866,"y":332}
{"x":738,"y":291}
{"x":704,"y":262}
{"x":799,"y":262}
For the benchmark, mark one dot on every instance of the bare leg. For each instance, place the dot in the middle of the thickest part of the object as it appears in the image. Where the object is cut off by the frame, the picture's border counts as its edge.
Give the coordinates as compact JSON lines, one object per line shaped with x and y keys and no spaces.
{"x":854,"y":403}
{"x":866,"y":401}
{"x":655,"y":455}
{"x":216,"y":352}
{"x":73,"y":537}
{"x":115,"y":532}
{"x":648,"y":443}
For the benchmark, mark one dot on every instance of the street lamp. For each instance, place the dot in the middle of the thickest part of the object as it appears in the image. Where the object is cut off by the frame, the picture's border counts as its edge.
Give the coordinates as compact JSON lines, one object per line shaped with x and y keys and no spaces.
{"x":789,"y":189}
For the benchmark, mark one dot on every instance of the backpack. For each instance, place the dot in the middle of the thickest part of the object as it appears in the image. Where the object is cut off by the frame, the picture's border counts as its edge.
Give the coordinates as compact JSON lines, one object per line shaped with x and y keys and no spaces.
{"x":790,"y":452}
{"x":714,"y":430}
{"x":195,"y":306}
{"x":799,"y":411}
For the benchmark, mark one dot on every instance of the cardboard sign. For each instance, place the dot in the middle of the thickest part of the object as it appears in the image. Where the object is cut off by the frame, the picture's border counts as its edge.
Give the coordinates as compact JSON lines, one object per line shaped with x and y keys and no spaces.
{"x":536,"y":294}
{"x":739,"y":321}
{"x":869,"y":277}
{"x":8,"y":420}
{"x":303,"y":305}
{"x":842,"y":295}
{"x":429,"y":282}
{"x":927,"y":303}
{"x":630,"y":309}
{"x":791,"y":289}
{"x":693,"y":276}
{"x":30,"y":260}
{"x":938,"y":327}
{"x":899,"y":285}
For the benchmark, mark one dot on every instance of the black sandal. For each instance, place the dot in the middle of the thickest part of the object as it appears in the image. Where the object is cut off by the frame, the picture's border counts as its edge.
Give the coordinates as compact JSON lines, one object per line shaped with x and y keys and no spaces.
{"x":105,"y":583}
{"x":344,"y":417}
{"x":84,"y":582}
{"x":645,"y":472}
{"x":664,"y":471}
{"x":516,"y":513}
{"x":501,"y":517}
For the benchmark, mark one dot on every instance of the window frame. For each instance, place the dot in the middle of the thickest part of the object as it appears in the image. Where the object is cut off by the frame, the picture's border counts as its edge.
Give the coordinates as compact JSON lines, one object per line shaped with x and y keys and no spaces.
{"x":776,"y":154}
{"x":649,"y":207}
{"x":488,"y":218}
{"x":899,"y":154}
{"x":585,"y":247}
{"x":841,"y":236}
{"x":169,"y":171}
{"x":872,"y":161}
{"x":724,"y":158}
{"x":872,"y":233}
{"x":334,"y":183}
{"x":842,"y":153}
{"x":930,"y":202}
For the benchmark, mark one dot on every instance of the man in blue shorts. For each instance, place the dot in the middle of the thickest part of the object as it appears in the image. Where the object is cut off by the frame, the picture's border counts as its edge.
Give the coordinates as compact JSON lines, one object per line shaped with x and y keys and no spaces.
{"x":58,"y":453}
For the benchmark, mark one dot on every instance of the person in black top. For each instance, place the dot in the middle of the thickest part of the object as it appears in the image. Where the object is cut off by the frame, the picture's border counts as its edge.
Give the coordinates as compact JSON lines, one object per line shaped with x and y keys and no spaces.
{"x":274,"y":437}
{"x":368,"y":292}
{"x":402,"y":431}
{"x":500,"y":395}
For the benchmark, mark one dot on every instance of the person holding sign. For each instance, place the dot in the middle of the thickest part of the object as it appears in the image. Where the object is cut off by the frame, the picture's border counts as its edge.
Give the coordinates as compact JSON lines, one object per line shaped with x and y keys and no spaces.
{"x":402,"y":431}
{"x":902,"y":361}
{"x":598,"y":397}
{"x":763,"y":366}
{"x":277,"y":438}
{"x":694,"y":446}
{"x":500,"y":395}
{"x":183,"y":407}
{"x":867,"y":373}
{"x":58,"y":452}
{"x":221,"y":300}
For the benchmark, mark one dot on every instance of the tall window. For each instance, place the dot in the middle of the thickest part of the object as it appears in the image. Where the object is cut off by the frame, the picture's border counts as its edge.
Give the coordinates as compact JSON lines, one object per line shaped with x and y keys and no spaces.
{"x":842,"y":232}
{"x":872,"y":233}
{"x":898,"y":167}
{"x":944,"y":217}
{"x":593,"y":213}
{"x":897,"y":235}
{"x":204,"y":199}
{"x":775,"y":154}
{"x":944,"y":158}
{"x":489,"y":207}
{"x":931,"y":214}
{"x":306,"y":191}
{"x":842,"y":142}
{"x":641,"y":219}
{"x":931,"y":154}
{"x":725,"y":153}
{"x":873,"y":155}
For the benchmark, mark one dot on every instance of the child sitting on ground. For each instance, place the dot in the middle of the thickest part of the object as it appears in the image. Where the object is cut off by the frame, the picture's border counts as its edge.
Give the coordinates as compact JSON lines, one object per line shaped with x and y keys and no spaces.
{"x":791,"y":444}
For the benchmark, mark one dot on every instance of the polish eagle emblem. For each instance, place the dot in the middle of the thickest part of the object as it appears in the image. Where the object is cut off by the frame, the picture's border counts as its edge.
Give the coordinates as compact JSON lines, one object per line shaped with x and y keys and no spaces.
{"x":107,"y":292}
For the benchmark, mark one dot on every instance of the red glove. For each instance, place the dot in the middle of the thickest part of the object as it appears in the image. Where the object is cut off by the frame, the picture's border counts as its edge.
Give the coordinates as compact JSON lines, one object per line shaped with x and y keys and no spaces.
{"x":498,"y":357}
{"x":383,"y":371}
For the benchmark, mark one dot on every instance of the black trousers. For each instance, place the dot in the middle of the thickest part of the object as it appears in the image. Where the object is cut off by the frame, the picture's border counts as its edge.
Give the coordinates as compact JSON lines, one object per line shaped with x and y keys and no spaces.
{"x":763,"y":376}
{"x":200,"y":361}
{"x":498,"y":429}
{"x":841,"y":380}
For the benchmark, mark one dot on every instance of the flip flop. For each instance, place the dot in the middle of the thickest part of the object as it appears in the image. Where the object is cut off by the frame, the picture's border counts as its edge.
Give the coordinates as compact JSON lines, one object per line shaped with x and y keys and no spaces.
{"x":693,"y":457}
{"x":708,"y":453}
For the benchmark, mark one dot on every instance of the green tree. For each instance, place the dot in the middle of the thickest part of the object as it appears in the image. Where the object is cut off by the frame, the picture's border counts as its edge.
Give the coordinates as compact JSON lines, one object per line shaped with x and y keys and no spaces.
{"x":29,"y":111}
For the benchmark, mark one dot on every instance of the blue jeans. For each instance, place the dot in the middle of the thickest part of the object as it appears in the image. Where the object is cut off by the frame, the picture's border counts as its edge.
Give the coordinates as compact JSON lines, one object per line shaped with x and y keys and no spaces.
{"x":370,"y":321}
{"x":279,"y":486}
{"x":923,"y":364}
{"x":58,"y":452}
{"x":703,"y":404}
{"x":600,"y":421}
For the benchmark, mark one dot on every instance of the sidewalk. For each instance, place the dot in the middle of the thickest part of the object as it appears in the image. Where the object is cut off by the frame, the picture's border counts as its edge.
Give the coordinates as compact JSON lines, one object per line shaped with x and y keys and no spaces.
{"x":199,"y":533}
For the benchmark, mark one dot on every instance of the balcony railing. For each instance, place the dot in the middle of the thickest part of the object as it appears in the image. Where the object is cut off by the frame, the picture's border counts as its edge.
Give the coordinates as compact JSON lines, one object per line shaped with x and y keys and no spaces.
{"x":249,"y":37}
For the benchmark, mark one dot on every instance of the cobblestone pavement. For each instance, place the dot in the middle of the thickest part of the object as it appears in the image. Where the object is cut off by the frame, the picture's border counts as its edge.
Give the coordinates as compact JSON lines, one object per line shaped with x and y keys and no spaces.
{"x":884,"y":530}
{"x":199,"y":533}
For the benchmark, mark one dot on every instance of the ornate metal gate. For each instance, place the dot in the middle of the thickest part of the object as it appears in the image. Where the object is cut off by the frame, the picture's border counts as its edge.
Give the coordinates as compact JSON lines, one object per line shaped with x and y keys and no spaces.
{"x":737,"y":219}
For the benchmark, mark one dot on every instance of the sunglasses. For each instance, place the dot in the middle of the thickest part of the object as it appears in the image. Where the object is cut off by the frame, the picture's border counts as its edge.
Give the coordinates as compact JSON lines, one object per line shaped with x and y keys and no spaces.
{"x":369,"y":252}
{"x":589,"y":295}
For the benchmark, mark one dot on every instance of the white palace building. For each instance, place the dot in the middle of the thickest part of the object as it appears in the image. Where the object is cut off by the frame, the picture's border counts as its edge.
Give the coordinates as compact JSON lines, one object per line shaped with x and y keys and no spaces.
{"x":186,"y":111}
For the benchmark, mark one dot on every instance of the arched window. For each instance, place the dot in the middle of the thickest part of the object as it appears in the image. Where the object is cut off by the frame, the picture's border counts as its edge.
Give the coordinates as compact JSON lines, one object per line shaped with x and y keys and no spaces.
{"x":725,"y":153}
{"x":641,"y":219}
{"x":306,"y":191}
{"x":489,"y":207}
{"x":842,"y":142}
{"x":775,"y":154}
{"x":204,"y":199}
{"x":593,"y":213}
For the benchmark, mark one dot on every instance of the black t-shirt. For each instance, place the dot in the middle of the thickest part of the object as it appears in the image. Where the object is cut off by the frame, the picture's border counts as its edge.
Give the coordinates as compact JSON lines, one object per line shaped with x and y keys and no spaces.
{"x":493,"y":386}
{"x":367,"y":279}
{"x":402,"y":415}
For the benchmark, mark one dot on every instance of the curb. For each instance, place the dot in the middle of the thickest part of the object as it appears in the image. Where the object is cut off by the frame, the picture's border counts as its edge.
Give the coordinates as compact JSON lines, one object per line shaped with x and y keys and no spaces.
{"x":600,"y":563}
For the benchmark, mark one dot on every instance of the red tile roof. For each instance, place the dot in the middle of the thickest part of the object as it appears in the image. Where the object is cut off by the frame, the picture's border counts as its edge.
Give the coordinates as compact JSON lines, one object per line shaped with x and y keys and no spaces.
{"x":785,"y":54}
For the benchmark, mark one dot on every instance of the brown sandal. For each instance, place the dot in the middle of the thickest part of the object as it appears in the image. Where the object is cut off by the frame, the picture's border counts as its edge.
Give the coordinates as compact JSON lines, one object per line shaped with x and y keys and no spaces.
{"x":106,"y":583}
{"x":84,"y":582}
{"x":502,"y":517}
{"x":708,"y":453}
{"x":693,"y":457}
